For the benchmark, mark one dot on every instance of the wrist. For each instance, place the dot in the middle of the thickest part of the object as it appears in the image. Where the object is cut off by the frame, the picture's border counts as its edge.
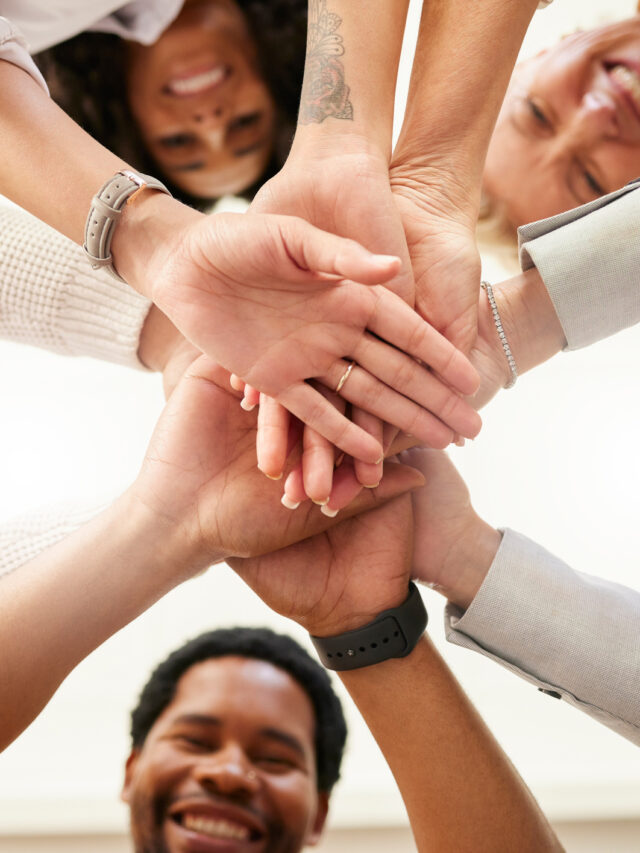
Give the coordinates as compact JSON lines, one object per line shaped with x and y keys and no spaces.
{"x":322,"y":141}
{"x":529,"y":320}
{"x":146,"y":234}
{"x":393,"y":633}
{"x":158,"y":340}
{"x":353,"y":618}
{"x":176,"y":540}
{"x":441,"y":189}
{"x":473,"y":559}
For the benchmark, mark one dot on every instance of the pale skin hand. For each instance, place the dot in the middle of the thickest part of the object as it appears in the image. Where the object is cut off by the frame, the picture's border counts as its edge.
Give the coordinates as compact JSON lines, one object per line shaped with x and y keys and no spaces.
{"x":249,"y":310}
{"x":464,"y":57}
{"x":337,"y":178}
{"x":534,"y":333}
{"x":198,"y":499}
{"x":446,"y":756}
{"x":288,"y":310}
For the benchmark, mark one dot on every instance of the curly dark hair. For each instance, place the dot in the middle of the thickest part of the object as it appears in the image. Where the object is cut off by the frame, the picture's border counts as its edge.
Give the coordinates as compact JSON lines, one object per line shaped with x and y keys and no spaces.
{"x":86,"y":76}
{"x":262,"y":644}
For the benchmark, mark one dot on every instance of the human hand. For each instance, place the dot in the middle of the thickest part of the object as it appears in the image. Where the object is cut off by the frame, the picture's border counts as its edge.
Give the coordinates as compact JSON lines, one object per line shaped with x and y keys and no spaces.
{"x":340,"y":183}
{"x":285,"y":312}
{"x":439,"y":218}
{"x":487,"y":356}
{"x":340,"y":579}
{"x":199,"y":477}
{"x":453,"y":548}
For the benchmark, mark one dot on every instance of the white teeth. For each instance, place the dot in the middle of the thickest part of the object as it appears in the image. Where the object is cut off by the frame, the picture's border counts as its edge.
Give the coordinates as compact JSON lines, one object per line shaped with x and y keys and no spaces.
{"x":198,"y":82}
{"x":217,"y":828}
{"x":628,"y":80}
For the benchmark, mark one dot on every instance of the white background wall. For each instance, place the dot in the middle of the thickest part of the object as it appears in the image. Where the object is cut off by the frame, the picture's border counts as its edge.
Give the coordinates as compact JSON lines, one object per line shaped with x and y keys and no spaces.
{"x":557,"y":459}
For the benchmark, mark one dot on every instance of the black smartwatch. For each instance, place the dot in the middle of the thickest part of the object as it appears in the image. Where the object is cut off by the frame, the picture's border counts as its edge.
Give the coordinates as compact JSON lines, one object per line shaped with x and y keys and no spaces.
{"x":392,"y":634}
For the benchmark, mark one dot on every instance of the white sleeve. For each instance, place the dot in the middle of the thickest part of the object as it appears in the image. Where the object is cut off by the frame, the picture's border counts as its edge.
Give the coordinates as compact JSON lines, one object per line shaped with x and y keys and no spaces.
{"x":51,"y":298}
{"x":14,"y":49}
{"x":24,"y":537}
{"x":589,"y":261}
{"x":572,"y":635}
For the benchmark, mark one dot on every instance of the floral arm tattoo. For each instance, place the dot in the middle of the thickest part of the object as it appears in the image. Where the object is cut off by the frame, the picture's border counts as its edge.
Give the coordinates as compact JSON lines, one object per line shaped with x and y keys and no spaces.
{"x":324,"y":92}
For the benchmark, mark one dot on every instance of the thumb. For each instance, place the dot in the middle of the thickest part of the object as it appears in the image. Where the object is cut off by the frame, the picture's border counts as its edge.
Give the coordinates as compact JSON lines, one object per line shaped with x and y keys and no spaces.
{"x":323,"y":253}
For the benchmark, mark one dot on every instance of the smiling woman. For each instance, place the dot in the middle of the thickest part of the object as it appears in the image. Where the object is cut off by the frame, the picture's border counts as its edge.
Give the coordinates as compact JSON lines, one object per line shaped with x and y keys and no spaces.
{"x":211,"y":104}
{"x":569,"y":128}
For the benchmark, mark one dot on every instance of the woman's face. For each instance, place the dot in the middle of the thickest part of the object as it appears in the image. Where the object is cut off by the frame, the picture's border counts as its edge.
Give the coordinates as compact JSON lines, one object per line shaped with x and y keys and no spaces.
{"x":569,"y":128}
{"x":205,"y":114}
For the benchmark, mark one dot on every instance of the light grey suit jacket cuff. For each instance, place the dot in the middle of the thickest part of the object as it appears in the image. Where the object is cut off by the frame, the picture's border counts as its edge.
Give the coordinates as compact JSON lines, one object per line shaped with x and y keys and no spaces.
{"x":565,"y":632}
{"x":589,"y":260}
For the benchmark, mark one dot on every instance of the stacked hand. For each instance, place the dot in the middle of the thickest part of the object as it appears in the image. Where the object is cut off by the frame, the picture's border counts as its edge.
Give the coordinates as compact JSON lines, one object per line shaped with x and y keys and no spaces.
{"x":341,"y":184}
{"x":279,"y":302}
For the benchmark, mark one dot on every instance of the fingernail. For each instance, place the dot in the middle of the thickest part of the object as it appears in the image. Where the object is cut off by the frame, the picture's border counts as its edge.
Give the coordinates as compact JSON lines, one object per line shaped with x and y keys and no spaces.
{"x":373,"y":486}
{"x":378,"y":461}
{"x":246,"y":405}
{"x":339,"y":460}
{"x":286,"y":501}
{"x":460,"y":442}
{"x":330,"y":513}
{"x":271,"y":477}
{"x":387,"y":259}
{"x":322,"y":503}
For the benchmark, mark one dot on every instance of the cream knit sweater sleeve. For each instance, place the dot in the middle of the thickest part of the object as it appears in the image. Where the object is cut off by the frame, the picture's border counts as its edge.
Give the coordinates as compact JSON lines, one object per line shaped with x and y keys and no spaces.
{"x":51,"y":298}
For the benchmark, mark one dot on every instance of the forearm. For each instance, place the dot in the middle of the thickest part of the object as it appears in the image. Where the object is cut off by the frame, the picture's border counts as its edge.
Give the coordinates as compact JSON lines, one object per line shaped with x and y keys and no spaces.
{"x":52,"y":168}
{"x":351,"y":69}
{"x":460,"y":790}
{"x":464,"y":58}
{"x":60,"y":606}
{"x":49,"y":165}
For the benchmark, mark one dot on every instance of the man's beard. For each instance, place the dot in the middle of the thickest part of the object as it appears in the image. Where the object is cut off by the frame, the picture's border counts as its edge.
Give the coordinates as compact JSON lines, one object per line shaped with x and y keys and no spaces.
{"x":146,"y":822}
{"x":147,"y":817}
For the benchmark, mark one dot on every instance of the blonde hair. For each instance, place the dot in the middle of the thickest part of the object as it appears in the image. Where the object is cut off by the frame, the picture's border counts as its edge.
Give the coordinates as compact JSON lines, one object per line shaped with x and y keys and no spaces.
{"x":496,"y":235}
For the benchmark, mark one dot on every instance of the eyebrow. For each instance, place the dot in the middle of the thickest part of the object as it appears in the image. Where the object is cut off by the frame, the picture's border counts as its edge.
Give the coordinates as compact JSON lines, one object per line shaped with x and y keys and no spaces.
{"x":285,"y":738}
{"x":187,"y":167}
{"x":256,"y":146}
{"x":197,"y":720}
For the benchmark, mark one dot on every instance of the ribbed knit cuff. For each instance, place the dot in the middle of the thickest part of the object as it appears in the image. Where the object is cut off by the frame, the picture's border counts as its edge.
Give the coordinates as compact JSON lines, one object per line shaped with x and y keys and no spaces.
{"x":51,"y":298}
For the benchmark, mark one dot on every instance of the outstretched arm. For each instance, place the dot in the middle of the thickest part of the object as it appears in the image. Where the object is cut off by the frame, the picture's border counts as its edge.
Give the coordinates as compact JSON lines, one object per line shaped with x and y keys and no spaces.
{"x":459,"y":787}
{"x":464,"y":57}
{"x":186,"y":510}
{"x":303,"y":310}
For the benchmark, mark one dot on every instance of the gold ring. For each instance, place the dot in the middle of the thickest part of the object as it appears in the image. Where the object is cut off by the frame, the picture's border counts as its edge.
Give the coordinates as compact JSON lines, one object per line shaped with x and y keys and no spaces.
{"x":344,"y":377}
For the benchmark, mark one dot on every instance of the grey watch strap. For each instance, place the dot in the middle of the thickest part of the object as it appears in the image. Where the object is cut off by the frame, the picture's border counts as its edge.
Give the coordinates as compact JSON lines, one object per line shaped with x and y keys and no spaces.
{"x":392,"y":634}
{"x":105,"y":211}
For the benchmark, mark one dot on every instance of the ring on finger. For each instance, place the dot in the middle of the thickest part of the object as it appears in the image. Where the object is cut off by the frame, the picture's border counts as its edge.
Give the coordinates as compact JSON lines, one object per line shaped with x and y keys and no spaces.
{"x":344,"y":377}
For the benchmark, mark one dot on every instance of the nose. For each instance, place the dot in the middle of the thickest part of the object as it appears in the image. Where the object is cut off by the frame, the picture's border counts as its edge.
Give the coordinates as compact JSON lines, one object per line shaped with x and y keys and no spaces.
{"x":227,"y":772}
{"x":595,"y":118}
{"x":211,"y":121}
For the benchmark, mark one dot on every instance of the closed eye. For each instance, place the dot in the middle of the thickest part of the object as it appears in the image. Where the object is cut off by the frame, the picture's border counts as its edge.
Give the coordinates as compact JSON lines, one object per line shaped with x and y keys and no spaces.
{"x":176,"y":140}
{"x":593,"y":185}
{"x":537,"y":113}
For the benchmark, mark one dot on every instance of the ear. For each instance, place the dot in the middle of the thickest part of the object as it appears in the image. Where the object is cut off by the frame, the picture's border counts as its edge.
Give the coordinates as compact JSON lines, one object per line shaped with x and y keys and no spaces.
{"x":321,"y":818}
{"x":129,"y":770}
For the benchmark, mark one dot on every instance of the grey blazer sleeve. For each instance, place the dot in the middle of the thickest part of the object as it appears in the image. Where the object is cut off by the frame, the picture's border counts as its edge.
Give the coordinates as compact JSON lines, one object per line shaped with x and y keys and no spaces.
{"x":572,"y":635}
{"x":589,"y":260}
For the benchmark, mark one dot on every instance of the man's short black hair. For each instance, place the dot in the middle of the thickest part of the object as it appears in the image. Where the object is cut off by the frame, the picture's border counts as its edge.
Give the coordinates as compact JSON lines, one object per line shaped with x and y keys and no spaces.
{"x":262,"y":644}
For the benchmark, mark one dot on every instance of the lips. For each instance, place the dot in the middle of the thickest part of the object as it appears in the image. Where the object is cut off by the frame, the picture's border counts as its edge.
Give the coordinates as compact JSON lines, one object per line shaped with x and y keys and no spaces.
{"x":198,"y":81}
{"x":623,"y":85}
{"x":211,"y":826}
{"x":627,"y":81}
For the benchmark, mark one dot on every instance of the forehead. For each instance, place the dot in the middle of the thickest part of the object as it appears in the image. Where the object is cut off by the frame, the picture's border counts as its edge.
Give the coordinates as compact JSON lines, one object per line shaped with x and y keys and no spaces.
{"x":245,"y":693}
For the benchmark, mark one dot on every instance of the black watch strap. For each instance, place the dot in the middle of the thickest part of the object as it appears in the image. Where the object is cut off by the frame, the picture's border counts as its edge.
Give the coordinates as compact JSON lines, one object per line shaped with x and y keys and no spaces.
{"x":392,"y":634}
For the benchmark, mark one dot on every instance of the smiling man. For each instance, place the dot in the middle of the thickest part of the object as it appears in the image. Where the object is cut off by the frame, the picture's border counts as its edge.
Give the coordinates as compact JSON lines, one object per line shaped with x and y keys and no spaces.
{"x":237,"y":743}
